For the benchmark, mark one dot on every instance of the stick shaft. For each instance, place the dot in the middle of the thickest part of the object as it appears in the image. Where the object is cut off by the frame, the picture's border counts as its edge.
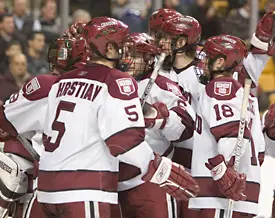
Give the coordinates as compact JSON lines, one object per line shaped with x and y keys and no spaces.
{"x":152,"y":79}
{"x":240,"y":138}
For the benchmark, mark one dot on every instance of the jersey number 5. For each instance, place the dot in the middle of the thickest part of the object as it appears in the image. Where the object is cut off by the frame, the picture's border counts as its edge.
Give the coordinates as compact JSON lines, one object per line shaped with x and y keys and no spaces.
{"x":58,"y":126}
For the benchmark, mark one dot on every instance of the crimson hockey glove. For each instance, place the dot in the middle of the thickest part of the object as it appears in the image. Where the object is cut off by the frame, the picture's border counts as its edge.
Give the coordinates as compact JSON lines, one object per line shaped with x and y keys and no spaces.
{"x":262,"y":39}
{"x":75,"y":30}
{"x":269,"y":122}
{"x":155,"y":115}
{"x":230,"y":182}
{"x":172,"y":178}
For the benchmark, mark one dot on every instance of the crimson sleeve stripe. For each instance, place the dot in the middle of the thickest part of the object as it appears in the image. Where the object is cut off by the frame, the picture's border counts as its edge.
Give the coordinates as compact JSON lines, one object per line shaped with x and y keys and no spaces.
{"x":187,"y":121}
{"x":127,"y":171}
{"x":15,"y":147}
{"x":208,"y":188}
{"x":261,"y":156}
{"x":229,"y":130}
{"x":125,"y":140}
{"x":55,"y":181}
{"x":5,"y":125}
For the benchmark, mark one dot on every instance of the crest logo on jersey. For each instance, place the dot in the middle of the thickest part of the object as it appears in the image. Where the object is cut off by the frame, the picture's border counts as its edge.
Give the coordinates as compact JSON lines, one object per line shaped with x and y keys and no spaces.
{"x":222,"y":88}
{"x":173,"y":88}
{"x":32,"y":86}
{"x":126,"y":86}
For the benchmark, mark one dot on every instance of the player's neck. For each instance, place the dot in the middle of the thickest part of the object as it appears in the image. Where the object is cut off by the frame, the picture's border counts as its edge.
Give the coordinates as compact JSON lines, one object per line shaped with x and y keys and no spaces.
{"x":106,"y":63}
{"x":182,"y":60}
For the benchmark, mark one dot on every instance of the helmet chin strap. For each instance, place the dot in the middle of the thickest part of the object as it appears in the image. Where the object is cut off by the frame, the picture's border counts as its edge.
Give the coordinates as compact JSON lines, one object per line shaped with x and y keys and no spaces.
{"x":204,"y":79}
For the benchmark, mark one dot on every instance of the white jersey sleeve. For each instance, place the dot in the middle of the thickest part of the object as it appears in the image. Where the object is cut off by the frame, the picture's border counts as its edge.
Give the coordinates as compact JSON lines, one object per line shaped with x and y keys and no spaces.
{"x":25,"y":111}
{"x":253,"y":66}
{"x":121,"y":124}
{"x":180,"y":123}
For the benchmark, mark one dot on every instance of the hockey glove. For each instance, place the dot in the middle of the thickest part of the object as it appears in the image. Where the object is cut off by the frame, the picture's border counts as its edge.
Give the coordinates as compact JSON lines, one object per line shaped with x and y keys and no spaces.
{"x":75,"y":30}
{"x":269,"y":122}
{"x":262,"y":39}
{"x":230,"y":182}
{"x":172,"y":178}
{"x":155,"y":115}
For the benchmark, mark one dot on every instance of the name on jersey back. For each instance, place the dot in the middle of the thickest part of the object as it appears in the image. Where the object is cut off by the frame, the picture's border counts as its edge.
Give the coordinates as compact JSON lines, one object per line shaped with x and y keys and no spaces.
{"x":82,"y":90}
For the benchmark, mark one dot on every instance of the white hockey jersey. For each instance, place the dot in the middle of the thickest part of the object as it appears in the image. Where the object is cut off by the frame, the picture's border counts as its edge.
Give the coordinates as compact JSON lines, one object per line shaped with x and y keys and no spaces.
{"x":179,"y":126}
{"x":94,"y":119}
{"x":219,"y":108}
{"x":269,"y":142}
{"x":188,"y":80}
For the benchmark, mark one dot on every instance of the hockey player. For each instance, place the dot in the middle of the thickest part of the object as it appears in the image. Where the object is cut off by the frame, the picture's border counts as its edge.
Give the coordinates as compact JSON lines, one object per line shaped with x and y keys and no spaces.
{"x":162,"y":39}
{"x":269,"y":133}
{"x":94,"y":180}
{"x":219,"y":107}
{"x":26,"y":102}
{"x":167,"y":124}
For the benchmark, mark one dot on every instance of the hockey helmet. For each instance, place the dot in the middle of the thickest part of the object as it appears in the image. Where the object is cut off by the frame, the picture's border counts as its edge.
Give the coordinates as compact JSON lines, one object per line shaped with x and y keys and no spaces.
{"x":139,"y":54}
{"x":65,"y":53}
{"x":231,"y":48}
{"x":159,"y":16}
{"x":103,"y":30}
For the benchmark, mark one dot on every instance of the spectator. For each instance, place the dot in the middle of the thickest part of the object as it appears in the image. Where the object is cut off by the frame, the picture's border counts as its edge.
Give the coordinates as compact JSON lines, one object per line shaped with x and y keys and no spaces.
{"x":131,"y":12}
{"x":13,"y":48}
{"x":12,"y":81}
{"x":269,"y":6}
{"x":3,"y":8}
{"x":175,"y":4}
{"x":7,"y":33}
{"x":24,"y":23}
{"x":81,"y":15}
{"x":49,"y":22}
{"x":237,"y":22}
{"x":37,"y":63}
{"x":205,"y":13}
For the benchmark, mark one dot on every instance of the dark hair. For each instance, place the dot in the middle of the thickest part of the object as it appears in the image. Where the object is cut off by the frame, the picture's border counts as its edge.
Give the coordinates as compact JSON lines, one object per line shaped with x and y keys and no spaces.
{"x":4,"y":15}
{"x":32,"y":34}
{"x":13,"y":42}
{"x":44,"y":3}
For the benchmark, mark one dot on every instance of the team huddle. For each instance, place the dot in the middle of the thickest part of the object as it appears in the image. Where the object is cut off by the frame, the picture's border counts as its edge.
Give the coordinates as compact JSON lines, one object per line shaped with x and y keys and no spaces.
{"x":80,"y":142}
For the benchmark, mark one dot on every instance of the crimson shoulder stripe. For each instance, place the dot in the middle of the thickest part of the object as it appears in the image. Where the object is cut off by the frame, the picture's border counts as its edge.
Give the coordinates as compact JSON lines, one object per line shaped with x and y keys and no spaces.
{"x":125,"y":140}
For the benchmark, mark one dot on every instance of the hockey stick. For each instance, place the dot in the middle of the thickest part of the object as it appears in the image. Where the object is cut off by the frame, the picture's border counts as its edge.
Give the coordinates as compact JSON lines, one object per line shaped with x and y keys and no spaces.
{"x":240,"y":137}
{"x":152,"y":79}
{"x":28,"y":147}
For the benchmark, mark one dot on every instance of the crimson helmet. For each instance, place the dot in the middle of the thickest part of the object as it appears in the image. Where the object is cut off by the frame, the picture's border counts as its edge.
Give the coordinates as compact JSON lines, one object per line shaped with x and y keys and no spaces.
{"x":158,"y":17}
{"x":103,"y":30}
{"x":139,"y":45}
{"x":65,"y":53}
{"x":183,"y":25}
{"x":231,"y":48}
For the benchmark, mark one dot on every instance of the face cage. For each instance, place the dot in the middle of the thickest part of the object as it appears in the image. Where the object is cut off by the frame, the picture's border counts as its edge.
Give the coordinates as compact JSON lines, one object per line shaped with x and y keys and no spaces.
{"x":164,"y":42}
{"x":136,"y":63}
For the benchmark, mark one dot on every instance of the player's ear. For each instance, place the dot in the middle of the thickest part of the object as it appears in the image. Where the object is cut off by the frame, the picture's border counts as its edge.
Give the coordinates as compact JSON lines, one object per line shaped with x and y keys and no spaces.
{"x":220,"y":63}
{"x":111,"y":50}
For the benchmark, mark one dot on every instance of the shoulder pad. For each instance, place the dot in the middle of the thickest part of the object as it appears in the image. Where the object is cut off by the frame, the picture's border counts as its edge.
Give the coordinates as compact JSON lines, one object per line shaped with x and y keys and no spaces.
{"x":38,"y":87}
{"x":222,"y":88}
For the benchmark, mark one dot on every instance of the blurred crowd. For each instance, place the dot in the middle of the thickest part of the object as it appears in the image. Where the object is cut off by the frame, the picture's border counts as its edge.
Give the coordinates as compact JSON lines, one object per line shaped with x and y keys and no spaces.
{"x":27,"y":28}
